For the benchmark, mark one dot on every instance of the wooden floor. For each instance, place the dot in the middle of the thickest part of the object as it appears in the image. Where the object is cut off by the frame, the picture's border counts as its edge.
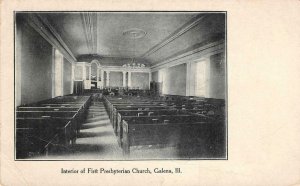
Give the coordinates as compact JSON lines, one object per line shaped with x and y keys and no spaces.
{"x":97,"y":141}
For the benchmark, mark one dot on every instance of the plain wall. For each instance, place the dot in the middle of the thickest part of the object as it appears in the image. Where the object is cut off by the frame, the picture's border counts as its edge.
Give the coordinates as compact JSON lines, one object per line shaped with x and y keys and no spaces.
{"x":154,"y":76}
{"x":116,"y":79}
{"x":174,"y":80}
{"x":87,"y":73}
{"x":217,"y":76}
{"x":67,"y":81}
{"x":140,"y":79}
{"x":35,"y":65}
{"x":78,"y":73}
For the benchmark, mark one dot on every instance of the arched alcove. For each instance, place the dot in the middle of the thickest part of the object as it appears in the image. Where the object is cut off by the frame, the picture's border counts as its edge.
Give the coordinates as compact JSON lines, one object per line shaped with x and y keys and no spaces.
{"x":94,"y":71}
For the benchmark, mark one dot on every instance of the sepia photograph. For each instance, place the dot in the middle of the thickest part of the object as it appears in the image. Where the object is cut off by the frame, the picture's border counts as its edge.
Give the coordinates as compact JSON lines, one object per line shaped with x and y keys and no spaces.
{"x":160,"y":93}
{"x":120,"y":85}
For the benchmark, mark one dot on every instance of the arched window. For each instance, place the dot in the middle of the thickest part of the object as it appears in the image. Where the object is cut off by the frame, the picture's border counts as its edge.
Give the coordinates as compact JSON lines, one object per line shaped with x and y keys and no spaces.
{"x":95,"y":70}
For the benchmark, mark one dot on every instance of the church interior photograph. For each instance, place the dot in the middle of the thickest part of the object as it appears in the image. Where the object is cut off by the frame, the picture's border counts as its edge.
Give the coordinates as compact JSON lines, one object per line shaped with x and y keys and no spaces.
{"x":120,"y":85}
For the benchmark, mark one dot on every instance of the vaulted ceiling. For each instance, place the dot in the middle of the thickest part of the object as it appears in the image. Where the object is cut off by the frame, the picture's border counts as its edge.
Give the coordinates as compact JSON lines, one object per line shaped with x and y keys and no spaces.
{"x":148,"y":36}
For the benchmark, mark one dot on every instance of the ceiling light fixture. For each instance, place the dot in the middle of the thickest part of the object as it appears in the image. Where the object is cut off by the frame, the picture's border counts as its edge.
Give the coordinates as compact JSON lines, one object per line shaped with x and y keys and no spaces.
{"x":134,"y":65}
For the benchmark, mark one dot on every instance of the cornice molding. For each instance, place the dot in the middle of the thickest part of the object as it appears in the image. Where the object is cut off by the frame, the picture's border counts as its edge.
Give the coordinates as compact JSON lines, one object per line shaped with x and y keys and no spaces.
{"x":113,"y":68}
{"x":89,"y":21}
{"x":196,"y":54}
{"x":122,"y":69}
{"x":58,"y":37}
{"x":83,"y":63}
{"x":44,"y":28}
{"x":186,"y":27}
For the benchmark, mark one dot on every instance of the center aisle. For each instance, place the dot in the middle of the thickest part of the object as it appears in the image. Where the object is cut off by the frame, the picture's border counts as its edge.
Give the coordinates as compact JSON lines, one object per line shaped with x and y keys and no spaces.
{"x":96,"y":140}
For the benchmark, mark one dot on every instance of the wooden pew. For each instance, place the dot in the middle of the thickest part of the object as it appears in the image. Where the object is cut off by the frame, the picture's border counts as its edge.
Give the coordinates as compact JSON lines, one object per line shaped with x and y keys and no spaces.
{"x":130,"y":105}
{"x":45,"y":128}
{"x":210,"y":111}
{"x":39,"y":132}
{"x":140,"y":113}
{"x":49,"y":123}
{"x":45,"y":108}
{"x":116,"y":108}
{"x":80,"y":112}
{"x":64,"y":99}
{"x":114,"y":104}
{"x":153,"y":112}
{"x":110,"y":103}
{"x":156,"y":117}
{"x":61,"y":103}
{"x":30,"y":142}
{"x":171,"y":133}
{"x":73,"y":116}
{"x":114,"y":119}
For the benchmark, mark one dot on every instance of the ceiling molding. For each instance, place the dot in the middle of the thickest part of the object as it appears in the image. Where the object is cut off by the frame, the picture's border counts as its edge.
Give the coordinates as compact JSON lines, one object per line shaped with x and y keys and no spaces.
{"x":196,"y":54}
{"x":186,"y":27}
{"x":83,"y":64}
{"x":122,"y":69}
{"x":116,"y":56}
{"x":55,"y":33}
{"x":44,"y":28}
{"x":89,"y":21}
